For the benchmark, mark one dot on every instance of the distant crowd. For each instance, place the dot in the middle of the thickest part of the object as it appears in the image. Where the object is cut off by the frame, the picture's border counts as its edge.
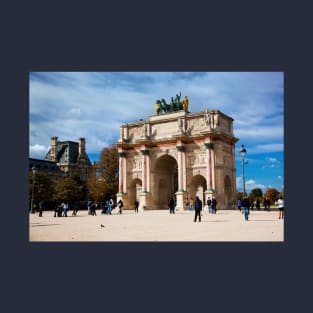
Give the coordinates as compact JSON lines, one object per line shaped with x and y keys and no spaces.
{"x":244,"y":205}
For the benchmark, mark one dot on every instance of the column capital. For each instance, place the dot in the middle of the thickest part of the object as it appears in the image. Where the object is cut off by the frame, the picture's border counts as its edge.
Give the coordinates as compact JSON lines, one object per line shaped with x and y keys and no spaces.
{"x":180,"y":148}
{"x":209,"y":145}
{"x":122,"y":154}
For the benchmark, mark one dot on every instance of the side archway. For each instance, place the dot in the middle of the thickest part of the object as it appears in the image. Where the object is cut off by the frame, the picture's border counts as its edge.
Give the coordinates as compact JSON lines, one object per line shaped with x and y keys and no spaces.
{"x":134,"y":191}
{"x":198,"y":185}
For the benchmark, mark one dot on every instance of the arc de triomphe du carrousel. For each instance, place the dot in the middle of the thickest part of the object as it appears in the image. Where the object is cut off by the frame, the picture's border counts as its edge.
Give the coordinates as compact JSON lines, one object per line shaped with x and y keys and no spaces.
{"x":180,"y":154}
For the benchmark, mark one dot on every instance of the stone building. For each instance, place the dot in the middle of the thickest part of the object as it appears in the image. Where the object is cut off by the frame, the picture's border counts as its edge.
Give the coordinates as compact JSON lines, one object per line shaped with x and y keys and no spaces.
{"x":177,"y":154}
{"x":65,"y":158}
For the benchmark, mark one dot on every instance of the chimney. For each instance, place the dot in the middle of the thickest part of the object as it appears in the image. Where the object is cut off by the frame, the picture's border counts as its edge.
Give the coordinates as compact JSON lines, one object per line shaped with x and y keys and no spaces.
{"x":53,"y":150}
{"x":81,"y":146}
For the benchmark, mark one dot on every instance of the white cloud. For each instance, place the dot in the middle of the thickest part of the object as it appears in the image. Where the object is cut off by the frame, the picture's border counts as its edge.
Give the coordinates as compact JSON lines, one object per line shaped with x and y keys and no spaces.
{"x":38,"y":151}
{"x":93,"y":105}
{"x":249,"y":185}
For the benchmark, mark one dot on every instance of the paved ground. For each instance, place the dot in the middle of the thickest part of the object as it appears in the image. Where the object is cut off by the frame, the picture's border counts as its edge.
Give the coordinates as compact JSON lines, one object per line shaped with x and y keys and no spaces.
{"x":157,"y":226}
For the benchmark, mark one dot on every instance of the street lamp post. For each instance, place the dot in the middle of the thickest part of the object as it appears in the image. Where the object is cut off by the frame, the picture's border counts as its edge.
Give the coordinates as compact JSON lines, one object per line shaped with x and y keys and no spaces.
{"x":243,"y":153}
{"x":32,"y":199}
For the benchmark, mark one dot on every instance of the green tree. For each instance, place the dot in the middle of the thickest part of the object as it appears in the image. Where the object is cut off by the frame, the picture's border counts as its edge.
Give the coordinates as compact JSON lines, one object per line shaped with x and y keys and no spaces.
{"x":41,"y":187}
{"x":256,"y":193}
{"x":68,"y":189}
{"x":239,"y":195}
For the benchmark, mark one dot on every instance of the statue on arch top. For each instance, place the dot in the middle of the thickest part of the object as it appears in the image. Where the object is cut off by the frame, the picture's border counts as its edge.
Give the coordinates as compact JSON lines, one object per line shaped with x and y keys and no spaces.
{"x":175,"y":105}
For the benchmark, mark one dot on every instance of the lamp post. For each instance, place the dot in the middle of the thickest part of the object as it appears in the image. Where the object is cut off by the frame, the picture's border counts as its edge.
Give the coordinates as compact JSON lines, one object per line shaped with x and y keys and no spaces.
{"x":32,"y":198}
{"x":243,"y":153}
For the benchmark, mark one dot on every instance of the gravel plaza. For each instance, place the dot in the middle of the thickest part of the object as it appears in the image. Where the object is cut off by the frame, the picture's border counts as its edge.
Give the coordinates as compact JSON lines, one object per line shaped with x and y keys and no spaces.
{"x":157,"y":226}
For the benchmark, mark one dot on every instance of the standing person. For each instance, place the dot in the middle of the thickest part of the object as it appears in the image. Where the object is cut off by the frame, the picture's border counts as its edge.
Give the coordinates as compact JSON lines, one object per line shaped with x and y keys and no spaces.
{"x":213,"y":205}
{"x":65,"y":208}
{"x":171,"y":205}
{"x":209,"y":202}
{"x":40,"y":208}
{"x":246,"y":205}
{"x":56,"y":209}
{"x":251,"y":204}
{"x":120,"y":206}
{"x":257,"y":204}
{"x":187,"y":204}
{"x":239,"y":204}
{"x":191,"y":204}
{"x":267,"y":204}
{"x":110,"y":207}
{"x":281,"y":207}
{"x":136,"y":206}
{"x":198,"y":209}
{"x":75,"y":208}
{"x":89,"y":203}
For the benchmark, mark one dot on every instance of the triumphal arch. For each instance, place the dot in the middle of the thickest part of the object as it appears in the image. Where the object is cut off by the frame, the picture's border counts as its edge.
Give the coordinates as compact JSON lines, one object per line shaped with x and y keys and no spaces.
{"x":177,"y":153}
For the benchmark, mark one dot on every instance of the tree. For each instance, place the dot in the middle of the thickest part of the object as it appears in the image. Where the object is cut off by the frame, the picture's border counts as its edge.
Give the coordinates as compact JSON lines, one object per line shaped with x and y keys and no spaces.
{"x":256,"y":193}
{"x":43,"y":187}
{"x":68,"y":189}
{"x":103,"y":182}
{"x":239,"y":195}
{"x":272,"y":194}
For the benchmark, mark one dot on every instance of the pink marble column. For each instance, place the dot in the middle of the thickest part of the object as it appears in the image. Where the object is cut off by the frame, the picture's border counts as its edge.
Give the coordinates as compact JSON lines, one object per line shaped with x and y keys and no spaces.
{"x":180,"y":149}
{"x":121,"y":175}
{"x":209,"y":147}
{"x":144,"y":153}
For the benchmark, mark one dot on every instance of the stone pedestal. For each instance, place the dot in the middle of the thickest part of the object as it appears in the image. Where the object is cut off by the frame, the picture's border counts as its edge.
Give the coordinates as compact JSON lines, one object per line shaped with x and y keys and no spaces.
{"x":181,"y":197}
{"x":122,"y":196}
{"x":145,"y":201}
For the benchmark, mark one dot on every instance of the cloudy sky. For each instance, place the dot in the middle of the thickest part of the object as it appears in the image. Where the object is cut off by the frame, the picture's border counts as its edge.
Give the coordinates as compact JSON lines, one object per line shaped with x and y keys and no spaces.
{"x":93,"y":105}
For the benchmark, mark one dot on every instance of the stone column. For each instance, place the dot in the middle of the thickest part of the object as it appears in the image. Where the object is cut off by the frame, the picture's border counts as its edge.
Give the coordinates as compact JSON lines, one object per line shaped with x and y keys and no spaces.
{"x":181,"y":192}
{"x":144,"y":153}
{"x":209,"y":169}
{"x":145,"y":195}
{"x":121,"y":170}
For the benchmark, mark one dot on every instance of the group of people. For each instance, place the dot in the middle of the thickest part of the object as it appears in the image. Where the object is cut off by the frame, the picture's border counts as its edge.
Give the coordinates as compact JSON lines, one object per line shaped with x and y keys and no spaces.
{"x":244,"y":205}
{"x":247,"y":204}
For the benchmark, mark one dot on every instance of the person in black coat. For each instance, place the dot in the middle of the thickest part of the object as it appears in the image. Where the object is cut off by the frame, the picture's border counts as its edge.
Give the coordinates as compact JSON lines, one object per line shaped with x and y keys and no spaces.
{"x":246,"y":207}
{"x":136,"y":205}
{"x":171,"y":205}
{"x":198,"y":209}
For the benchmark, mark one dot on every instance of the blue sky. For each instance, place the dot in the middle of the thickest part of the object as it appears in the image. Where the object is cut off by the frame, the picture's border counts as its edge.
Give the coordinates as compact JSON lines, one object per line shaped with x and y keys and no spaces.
{"x":93,"y":105}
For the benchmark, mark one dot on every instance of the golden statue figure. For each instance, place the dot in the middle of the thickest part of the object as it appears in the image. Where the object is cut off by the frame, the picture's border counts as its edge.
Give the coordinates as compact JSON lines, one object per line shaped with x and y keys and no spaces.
{"x":185,"y":104}
{"x":157,"y":107}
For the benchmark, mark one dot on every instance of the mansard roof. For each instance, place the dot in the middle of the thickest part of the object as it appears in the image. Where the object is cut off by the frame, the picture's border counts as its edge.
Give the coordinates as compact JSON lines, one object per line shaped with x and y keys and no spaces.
{"x":44,"y":165}
{"x":67,"y":152}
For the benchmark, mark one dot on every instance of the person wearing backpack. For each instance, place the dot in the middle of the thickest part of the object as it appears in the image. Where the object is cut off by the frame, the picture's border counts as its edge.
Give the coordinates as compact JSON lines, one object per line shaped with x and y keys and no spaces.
{"x":120,"y":206}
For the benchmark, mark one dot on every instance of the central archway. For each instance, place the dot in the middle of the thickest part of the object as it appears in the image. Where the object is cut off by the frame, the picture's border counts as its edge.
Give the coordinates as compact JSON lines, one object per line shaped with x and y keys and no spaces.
{"x":165,"y":181}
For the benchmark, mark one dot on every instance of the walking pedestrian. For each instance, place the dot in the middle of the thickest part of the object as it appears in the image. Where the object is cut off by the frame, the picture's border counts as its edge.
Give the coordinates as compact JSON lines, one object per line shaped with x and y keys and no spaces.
{"x":171,"y":206}
{"x":281,"y":207}
{"x":40,"y":208}
{"x":198,"y":209}
{"x":246,"y":206}
{"x":213,"y":205}
{"x":191,"y":204}
{"x":120,"y":206}
{"x":65,"y":208}
{"x":136,"y":206}
{"x":239,"y":204}
{"x":209,"y":202}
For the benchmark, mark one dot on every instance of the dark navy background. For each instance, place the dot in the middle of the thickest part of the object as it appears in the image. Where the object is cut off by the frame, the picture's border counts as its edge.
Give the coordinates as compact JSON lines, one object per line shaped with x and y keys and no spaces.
{"x":158,"y":36}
